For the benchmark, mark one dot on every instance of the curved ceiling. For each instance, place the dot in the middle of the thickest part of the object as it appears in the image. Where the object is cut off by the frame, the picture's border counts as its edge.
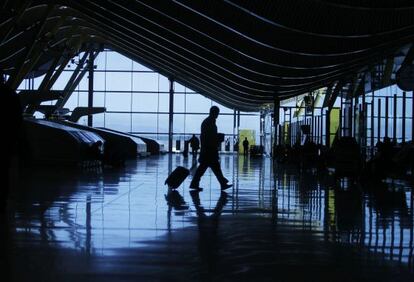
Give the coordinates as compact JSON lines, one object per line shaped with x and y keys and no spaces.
{"x":242,"y":54}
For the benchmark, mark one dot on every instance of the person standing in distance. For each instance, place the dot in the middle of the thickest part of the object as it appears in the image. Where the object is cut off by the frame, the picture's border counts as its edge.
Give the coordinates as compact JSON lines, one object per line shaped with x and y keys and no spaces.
{"x":195,"y":145}
{"x":209,"y":152}
{"x":245,"y":146}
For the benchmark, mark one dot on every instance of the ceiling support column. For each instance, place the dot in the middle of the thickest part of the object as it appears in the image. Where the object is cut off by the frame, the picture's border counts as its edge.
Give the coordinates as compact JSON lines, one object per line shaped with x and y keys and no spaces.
{"x":171,"y":116}
{"x":90,"y":87}
{"x":276,"y":115}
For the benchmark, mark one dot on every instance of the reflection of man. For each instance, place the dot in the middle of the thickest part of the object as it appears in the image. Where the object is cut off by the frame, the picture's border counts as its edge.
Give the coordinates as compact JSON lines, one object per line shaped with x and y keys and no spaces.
{"x":209,"y":157}
{"x":208,"y":243}
{"x":195,"y":197}
{"x":244,"y":165}
{"x":245,"y":146}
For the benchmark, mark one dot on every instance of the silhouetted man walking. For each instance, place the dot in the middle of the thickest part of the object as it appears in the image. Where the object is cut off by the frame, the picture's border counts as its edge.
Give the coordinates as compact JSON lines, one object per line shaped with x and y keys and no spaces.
{"x":209,"y":151}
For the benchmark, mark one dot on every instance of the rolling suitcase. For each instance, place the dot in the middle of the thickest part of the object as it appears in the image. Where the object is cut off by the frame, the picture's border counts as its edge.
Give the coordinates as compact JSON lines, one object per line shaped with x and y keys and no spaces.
{"x":177,"y":177}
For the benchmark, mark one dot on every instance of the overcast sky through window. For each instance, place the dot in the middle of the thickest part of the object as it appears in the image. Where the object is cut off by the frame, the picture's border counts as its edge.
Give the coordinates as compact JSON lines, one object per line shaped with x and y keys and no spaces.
{"x":137,"y":101}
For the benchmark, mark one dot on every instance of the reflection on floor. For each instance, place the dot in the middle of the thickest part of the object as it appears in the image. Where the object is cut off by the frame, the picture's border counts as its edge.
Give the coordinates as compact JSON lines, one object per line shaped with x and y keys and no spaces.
{"x":276,"y":223}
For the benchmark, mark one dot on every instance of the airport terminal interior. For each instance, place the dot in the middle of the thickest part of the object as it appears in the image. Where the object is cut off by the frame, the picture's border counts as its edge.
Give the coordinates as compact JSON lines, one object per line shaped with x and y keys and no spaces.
{"x":302,"y":110}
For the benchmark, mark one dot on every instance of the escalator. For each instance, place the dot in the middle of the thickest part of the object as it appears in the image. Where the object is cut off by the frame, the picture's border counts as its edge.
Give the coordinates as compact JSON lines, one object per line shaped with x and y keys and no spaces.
{"x":153,"y":147}
{"x":49,"y":142}
{"x":117,"y":145}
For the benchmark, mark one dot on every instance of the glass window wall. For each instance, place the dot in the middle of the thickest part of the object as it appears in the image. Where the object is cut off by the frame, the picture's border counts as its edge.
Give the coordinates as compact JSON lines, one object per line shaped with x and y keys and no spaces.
{"x":137,"y":100}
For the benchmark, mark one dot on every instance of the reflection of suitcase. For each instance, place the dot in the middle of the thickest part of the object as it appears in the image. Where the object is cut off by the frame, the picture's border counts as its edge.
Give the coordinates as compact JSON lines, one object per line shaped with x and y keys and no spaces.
{"x":177,"y":177}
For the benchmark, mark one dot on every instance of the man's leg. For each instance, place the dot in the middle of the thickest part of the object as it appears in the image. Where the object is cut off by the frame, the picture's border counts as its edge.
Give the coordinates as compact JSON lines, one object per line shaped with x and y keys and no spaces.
{"x":201,"y":169}
{"x":215,"y":167}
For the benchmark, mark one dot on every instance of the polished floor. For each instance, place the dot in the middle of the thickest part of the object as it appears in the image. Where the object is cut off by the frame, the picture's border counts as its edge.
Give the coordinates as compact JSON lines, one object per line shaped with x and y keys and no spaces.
{"x":275,"y":224}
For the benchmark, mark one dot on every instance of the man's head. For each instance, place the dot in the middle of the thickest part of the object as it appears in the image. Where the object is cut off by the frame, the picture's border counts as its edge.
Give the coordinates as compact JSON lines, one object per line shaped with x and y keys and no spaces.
{"x":214,"y":111}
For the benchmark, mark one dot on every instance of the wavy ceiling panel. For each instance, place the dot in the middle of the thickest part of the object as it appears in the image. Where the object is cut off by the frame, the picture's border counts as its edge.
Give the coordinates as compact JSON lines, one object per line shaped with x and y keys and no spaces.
{"x":240,"y":53}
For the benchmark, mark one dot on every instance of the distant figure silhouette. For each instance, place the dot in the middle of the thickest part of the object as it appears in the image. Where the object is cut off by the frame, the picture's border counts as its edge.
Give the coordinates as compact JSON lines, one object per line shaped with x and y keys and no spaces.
{"x":195,"y":145}
{"x":227,"y":145}
{"x":95,"y":152}
{"x":209,"y":157}
{"x":12,"y":117}
{"x":245,"y":146}
{"x":385,"y":150}
{"x":236,"y":145}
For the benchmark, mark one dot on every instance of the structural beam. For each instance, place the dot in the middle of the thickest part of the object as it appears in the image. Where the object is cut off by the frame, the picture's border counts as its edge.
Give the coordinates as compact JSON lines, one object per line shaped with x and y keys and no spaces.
{"x":389,"y":65}
{"x":35,"y":97}
{"x":409,"y":57}
{"x":91,"y":62}
{"x":79,"y":112}
{"x":73,"y":81}
{"x":330,"y":101}
{"x":44,"y":85}
{"x":276,"y":121}
{"x":32,"y":54}
{"x":16,"y":19}
{"x":171,"y":116}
